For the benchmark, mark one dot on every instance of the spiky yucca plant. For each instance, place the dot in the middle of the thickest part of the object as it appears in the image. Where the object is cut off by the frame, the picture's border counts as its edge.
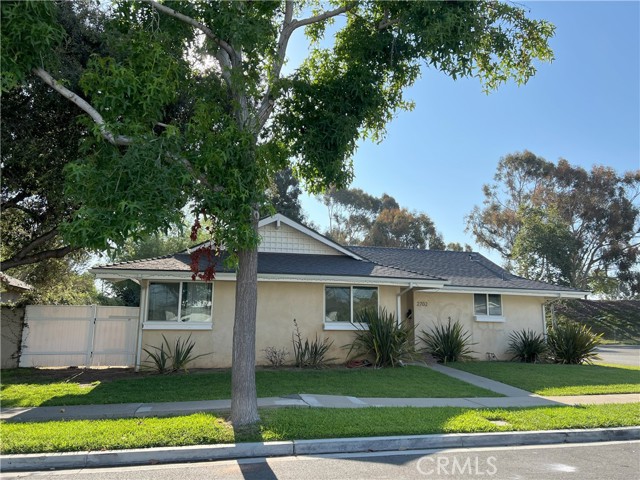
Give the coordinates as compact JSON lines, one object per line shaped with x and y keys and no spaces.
{"x":527,"y":346}
{"x":448,"y":343}
{"x":380,"y":337}
{"x":310,"y":354}
{"x":573,"y":343}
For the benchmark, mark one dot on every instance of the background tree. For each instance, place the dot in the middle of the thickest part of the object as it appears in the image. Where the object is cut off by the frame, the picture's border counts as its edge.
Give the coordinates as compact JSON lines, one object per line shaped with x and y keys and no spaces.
{"x":561,"y":223}
{"x":398,"y":227}
{"x":190,"y":106}
{"x":127,"y":292}
{"x":59,"y":281}
{"x":544,"y":246}
{"x":458,"y":247}
{"x":352,"y":212}
{"x":358,"y":218}
{"x":284,"y":195}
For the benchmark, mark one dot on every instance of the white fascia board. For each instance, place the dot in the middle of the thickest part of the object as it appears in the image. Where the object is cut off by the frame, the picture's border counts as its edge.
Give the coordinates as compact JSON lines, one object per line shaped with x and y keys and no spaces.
{"x":137,"y":275}
{"x":350,"y":280}
{"x":510,"y":291}
{"x":108,"y":274}
{"x":278,"y":217}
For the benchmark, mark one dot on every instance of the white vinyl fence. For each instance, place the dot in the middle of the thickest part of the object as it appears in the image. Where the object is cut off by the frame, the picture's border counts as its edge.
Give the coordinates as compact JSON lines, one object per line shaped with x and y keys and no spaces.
{"x":89,"y":336}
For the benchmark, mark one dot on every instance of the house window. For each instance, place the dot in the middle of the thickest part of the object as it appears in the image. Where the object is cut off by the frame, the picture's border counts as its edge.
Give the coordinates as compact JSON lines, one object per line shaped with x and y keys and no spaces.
{"x":180,"y":302}
{"x":487,"y":305}
{"x":342,"y":304}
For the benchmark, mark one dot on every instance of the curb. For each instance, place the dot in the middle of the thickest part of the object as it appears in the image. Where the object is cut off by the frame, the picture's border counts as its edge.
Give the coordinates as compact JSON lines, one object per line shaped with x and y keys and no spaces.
{"x":202,"y":453}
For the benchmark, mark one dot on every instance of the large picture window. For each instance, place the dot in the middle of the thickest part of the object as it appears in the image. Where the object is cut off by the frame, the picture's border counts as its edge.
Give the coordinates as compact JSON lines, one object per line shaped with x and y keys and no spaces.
{"x":487,"y":304}
{"x":342,"y":304}
{"x":180,"y":302}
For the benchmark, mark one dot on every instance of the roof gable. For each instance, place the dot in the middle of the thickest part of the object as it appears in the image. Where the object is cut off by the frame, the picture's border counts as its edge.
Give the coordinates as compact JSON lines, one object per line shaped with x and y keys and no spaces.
{"x":279,"y":234}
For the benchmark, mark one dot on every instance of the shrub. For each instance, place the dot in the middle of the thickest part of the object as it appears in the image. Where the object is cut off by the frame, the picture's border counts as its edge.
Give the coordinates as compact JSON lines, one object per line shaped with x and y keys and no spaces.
{"x":381,"y":338}
{"x":527,"y":346}
{"x":448,"y":343}
{"x":158,"y":358}
{"x":572,"y":343}
{"x":275,"y":357}
{"x":179,"y":357}
{"x":310,"y":354}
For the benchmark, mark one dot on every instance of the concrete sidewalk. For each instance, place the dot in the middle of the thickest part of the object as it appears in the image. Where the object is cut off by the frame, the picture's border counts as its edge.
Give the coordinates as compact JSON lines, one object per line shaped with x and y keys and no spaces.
{"x":168,"y":409}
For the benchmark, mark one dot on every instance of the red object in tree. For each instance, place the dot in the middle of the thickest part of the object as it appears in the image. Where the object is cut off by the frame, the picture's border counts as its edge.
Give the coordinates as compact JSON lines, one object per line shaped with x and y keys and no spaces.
{"x":209,"y":251}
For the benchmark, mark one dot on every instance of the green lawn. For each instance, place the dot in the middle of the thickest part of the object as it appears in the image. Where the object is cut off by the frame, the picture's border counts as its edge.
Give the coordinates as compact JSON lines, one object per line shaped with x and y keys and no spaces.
{"x":298,"y":423}
{"x":552,"y":379}
{"x":22,"y":390}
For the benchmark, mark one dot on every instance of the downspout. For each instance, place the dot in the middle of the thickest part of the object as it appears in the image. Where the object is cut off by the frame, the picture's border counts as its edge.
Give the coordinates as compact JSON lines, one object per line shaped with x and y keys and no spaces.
{"x":141,"y":319}
{"x":398,"y":303}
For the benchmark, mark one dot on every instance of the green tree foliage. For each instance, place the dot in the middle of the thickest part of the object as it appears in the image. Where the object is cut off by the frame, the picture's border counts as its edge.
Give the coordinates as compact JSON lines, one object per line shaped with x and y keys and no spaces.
{"x":562,"y":223}
{"x":40,"y":135}
{"x":544,"y":246}
{"x":458,"y":247}
{"x":399,"y":227}
{"x":358,"y":218}
{"x":59,"y":281}
{"x":127,"y":292}
{"x":189,"y":106}
{"x":352,"y":212}
{"x":284,"y":193}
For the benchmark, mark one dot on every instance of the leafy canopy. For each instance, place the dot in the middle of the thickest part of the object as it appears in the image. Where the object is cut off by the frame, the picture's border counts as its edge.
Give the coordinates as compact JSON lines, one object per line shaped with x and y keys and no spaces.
{"x":203,"y":116}
{"x":562,"y":223}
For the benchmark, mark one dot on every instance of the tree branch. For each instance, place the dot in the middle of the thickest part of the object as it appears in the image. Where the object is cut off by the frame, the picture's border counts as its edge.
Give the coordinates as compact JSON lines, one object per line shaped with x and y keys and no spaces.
{"x":288,"y":27}
{"x":266,"y":105}
{"x":323,"y":16}
{"x":84,"y":106}
{"x":22,"y":208}
{"x":97,"y":118}
{"x":13,"y":202}
{"x":194,"y":23}
{"x":45,"y":237}
{"x":37,"y":257}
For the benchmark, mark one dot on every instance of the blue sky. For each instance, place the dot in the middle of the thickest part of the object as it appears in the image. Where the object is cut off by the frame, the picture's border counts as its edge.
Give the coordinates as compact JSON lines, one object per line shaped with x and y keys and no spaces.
{"x":584,"y":107}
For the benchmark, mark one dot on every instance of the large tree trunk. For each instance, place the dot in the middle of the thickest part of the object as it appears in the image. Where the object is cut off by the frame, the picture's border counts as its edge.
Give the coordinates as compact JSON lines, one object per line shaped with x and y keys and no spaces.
{"x":244,"y":402}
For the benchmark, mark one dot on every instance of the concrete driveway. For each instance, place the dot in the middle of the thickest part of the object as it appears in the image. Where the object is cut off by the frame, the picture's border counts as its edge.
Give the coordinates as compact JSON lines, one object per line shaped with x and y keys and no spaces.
{"x":620,"y":354}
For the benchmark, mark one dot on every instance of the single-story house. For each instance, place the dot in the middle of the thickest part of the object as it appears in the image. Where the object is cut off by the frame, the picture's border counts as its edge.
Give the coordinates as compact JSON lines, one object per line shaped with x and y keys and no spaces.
{"x":305,"y":276}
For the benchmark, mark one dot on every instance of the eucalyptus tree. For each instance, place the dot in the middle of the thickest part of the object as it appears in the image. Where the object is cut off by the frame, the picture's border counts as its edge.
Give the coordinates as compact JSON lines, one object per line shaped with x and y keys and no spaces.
{"x":191,"y":105}
{"x":561,"y":223}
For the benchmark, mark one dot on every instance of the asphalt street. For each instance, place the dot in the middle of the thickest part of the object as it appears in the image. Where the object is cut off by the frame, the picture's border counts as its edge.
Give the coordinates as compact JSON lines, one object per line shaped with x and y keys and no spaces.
{"x":592,"y":461}
{"x":620,"y":354}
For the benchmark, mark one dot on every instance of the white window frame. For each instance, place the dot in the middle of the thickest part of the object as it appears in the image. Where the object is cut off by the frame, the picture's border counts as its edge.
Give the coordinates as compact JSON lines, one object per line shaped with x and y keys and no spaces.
{"x":174,"y":324}
{"x":488,"y":317}
{"x":350,"y":325}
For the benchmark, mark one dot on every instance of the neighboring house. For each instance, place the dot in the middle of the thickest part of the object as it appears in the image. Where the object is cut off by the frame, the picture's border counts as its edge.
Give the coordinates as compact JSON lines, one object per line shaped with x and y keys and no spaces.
{"x":12,"y":289}
{"x":305,"y":276}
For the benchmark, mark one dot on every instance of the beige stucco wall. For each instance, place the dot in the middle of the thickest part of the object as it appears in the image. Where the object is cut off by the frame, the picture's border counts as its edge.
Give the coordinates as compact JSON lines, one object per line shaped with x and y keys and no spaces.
{"x":278,"y":304}
{"x":520,"y":312}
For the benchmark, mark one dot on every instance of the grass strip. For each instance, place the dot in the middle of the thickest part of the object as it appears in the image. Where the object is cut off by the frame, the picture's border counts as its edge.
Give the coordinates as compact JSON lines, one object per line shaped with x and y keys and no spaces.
{"x":21,"y":390}
{"x":555,"y":379}
{"x":298,"y":423}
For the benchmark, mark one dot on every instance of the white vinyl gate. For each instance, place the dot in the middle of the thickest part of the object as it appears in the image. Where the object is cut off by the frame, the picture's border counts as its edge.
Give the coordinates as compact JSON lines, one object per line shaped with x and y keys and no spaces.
{"x":87,"y":335}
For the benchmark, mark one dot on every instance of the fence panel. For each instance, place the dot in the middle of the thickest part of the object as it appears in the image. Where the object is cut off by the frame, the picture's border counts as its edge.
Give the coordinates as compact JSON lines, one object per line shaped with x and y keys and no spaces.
{"x":116,"y":332}
{"x":61,"y":335}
